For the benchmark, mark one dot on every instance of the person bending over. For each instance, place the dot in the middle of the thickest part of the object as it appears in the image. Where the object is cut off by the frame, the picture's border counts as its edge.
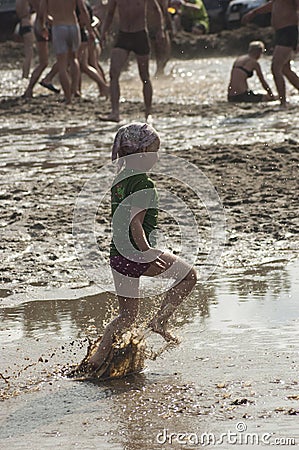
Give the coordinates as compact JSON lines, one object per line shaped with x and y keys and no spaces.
{"x":244,"y":68}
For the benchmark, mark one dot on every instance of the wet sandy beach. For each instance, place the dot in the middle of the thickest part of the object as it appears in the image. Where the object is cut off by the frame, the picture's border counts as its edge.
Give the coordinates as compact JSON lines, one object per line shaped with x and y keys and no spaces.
{"x":236,"y":368}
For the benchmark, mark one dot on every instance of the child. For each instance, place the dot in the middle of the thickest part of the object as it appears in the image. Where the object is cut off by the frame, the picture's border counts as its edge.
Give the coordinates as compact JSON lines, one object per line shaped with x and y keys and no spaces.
{"x":243,"y":68}
{"x":132,"y":254}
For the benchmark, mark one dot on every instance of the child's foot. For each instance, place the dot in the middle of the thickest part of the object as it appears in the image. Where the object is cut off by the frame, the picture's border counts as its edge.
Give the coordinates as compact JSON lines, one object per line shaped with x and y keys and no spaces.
{"x":157,"y":326}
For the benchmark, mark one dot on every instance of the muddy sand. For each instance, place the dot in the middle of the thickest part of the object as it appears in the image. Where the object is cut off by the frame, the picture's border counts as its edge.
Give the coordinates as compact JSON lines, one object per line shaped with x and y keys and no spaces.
{"x":237,"y":365}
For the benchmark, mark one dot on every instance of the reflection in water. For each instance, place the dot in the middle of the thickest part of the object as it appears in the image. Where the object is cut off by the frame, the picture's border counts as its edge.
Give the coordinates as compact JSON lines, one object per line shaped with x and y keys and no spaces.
{"x":60,"y":317}
{"x":261,"y":280}
{"x":88,"y":316}
{"x":139,"y":407}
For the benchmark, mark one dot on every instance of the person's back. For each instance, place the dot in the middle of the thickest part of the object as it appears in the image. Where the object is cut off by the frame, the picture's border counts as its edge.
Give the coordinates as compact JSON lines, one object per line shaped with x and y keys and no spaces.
{"x":242,"y":69}
{"x":63,"y":12}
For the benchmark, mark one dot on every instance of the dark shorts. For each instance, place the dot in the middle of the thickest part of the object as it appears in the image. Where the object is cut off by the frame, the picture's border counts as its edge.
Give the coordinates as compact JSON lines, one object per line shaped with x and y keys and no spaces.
{"x":136,"y":42}
{"x":127,"y":267}
{"x":25,"y":29}
{"x":287,"y":37}
{"x":246,"y":97}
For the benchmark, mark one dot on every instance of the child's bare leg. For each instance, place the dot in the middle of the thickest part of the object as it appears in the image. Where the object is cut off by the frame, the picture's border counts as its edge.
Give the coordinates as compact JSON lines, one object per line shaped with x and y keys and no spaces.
{"x":127,"y":290}
{"x":174,"y":296}
{"x":171,"y":301}
{"x":128,"y":311}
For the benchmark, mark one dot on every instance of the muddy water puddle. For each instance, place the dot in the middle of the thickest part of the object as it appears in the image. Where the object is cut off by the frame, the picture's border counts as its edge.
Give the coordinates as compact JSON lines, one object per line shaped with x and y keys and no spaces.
{"x":237,"y":363}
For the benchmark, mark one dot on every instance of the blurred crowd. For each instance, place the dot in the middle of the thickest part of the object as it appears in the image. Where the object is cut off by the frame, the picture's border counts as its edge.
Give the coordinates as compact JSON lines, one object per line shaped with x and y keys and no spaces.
{"x":77,"y":31}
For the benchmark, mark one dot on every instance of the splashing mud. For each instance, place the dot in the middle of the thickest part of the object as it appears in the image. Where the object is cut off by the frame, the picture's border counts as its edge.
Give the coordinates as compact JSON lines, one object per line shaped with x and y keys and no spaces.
{"x":126,"y":356}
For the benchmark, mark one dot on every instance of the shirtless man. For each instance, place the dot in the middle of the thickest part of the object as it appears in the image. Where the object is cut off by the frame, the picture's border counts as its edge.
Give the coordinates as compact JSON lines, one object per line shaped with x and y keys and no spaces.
{"x":162,"y":47}
{"x":66,"y":39}
{"x":284,"y":19}
{"x":132,"y":36}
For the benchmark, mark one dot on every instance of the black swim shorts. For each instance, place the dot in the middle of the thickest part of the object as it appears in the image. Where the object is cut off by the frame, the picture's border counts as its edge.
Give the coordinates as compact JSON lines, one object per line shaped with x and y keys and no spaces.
{"x":137,"y":42}
{"x":287,"y":37}
{"x":246,"y":97}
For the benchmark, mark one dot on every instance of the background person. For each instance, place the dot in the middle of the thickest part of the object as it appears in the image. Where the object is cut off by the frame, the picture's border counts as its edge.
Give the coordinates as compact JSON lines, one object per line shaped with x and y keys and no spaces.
{"x":284,"y":19}
{"x":161,"y":47}
{"x":83,"y":55}
{"x":42,"y":50}
{"x":190,"y":16}
{"x":66,"y":40}
{"x":244,"y":68}
{"x":132,"y":36}
{"x":24,"y":13}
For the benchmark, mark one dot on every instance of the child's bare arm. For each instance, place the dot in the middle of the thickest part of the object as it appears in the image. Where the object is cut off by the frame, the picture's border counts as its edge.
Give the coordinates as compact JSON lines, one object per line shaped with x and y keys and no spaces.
{"x":139,"y":236}
{"x":137,"y":217}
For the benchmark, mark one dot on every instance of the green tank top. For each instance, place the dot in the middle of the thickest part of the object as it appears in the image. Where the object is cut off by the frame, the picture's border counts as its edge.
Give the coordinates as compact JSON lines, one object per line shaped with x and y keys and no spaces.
{"x":132,"y":189}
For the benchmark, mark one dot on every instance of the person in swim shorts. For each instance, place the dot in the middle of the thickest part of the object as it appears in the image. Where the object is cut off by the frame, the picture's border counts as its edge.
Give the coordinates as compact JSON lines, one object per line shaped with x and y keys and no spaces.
{"x":134,"y":205}
{"x":244,"y":68}
{"x":66,"y":39}
{"x":132,"y":36}
{"x":284,"y":19}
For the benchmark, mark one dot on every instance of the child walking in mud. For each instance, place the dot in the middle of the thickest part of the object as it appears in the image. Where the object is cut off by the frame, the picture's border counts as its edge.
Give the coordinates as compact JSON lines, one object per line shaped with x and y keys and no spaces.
{"x":132,"y":252}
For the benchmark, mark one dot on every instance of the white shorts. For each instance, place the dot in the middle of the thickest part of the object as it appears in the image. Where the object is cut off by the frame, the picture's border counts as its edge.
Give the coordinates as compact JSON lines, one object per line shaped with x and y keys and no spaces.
{"x":65,"y":38}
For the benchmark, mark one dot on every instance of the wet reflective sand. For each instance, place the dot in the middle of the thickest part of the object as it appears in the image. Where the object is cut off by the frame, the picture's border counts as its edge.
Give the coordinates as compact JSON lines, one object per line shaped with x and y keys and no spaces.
{"x":237,"y":364}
